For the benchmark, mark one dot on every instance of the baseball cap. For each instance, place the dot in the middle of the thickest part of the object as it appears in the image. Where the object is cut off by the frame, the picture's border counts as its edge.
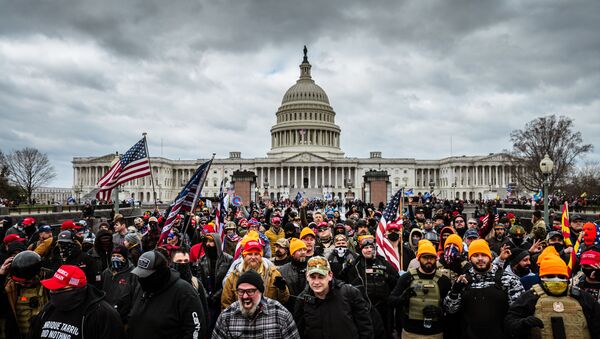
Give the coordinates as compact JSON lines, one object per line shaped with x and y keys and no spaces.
{"x":319,"y":265}
{"x":252,"y":246}
{"x":148,"y":263}
{"x":66,"y":275}
{"x":283,"y":242}
{"x":11,"y":238}
{"x":577,"y":217}
{"x":152,"y":219}
{"x":393,"y":226}
{"x":65,"y":236}
{"x":44,"y":228}
{"x":590,"y":258}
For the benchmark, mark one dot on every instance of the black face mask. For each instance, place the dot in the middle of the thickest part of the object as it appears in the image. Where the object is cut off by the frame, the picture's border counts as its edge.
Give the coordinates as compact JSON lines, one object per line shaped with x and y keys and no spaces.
{"x":393,"y":236}
{"x":66,"y":249}
{"x":461,"y":231}
{"x":211,"y":251}
{"x":591,"y":271}
{"x":517,"y":241}
{"x":69,"y":299}
{"x":559,"y":247}
{"x":156,"y":280}
{"x":184,"y":269}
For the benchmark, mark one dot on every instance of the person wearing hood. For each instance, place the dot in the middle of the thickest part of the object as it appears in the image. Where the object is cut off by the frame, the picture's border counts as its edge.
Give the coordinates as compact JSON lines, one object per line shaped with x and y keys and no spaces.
{"x":101,"y":252}
{"x":120,"y":285}
{"x":180,"y":262}
{"x":498,"y":239}
{"x":68,"y":252}
{"x":342,"y":258}
{"x":212,"y":269}
{"x":452,"y":262}
{"x":444,"y":234}
{"x":76,"y":309}
{"x":231,"y":238}
{"x":169,"y":307}
{"x":151,"y":236}
{"x":414,"y":237}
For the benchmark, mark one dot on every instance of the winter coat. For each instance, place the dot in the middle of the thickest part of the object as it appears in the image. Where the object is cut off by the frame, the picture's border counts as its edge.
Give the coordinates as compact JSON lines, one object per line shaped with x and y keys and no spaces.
{"x":214,"y":284}
{"x":97,"y":321}
{"x":175,"y":311}
{"x":121,"y":289}
{"x":343,"y":314}
{"x":268,"y":272}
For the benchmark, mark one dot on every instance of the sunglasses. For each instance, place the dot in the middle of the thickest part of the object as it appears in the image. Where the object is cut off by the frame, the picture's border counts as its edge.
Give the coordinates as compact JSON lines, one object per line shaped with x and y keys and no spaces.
{"x":472,"y":223}
{"x":322,"y":229}
{"x":250,"y":292}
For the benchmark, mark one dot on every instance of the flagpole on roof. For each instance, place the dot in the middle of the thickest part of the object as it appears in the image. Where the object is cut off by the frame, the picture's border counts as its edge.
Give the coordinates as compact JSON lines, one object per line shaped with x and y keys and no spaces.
{"x":151,"y":170}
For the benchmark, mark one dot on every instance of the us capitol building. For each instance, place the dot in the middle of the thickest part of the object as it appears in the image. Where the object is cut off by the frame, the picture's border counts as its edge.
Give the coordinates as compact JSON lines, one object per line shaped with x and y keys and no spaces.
{"x":306,"y":156}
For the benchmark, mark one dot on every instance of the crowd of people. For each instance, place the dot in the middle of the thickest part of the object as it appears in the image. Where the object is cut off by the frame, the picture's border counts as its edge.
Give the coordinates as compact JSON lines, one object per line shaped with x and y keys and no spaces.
{"x":301,"y":270}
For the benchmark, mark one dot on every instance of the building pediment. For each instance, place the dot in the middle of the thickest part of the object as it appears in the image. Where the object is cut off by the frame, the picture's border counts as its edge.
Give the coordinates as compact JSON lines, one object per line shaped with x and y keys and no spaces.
{"x":307,"y":157}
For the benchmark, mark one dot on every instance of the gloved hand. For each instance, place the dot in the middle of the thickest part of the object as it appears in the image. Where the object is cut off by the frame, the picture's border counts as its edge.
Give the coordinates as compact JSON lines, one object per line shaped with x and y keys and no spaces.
{"x":280,"y":283}
{"x":459,"y":285}
{"x":532,"y":322}
{"x":407,"y":294}
{"x":431,"y":311}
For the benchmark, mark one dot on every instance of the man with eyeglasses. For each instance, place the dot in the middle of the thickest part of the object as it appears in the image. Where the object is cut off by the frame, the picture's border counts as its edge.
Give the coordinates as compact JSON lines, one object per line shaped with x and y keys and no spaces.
{"x":420,"y":294}
{"x":330,"y":308}
{"x":254,"y":315}
{"x":472,"y":224}
{"x":252,"y":259}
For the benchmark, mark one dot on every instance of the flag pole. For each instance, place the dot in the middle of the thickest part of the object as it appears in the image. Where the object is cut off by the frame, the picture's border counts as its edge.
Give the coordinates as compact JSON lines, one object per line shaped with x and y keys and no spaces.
{"x":116,"y":190}
{"x":151,"y":170}
{"x":401,"y":261}
{"x":198,"y":189}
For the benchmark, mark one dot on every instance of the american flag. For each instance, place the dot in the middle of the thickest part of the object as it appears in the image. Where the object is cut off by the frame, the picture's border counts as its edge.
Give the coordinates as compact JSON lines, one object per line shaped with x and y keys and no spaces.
{"x":132,"y":165}
{"x":390,"y":214}
{"x":186,"y":199}
{"x":221,"y":211}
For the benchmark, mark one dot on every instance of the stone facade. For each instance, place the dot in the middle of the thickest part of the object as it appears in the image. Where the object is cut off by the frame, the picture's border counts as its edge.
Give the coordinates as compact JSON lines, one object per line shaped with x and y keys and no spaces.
{"x":305,"y":157}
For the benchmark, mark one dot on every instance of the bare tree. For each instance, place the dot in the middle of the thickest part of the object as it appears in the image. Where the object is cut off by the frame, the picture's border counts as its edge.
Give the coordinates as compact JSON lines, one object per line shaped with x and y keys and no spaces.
{"x":29,"y":169}
{"x":585,"y":179}
{"x":550,"y":135}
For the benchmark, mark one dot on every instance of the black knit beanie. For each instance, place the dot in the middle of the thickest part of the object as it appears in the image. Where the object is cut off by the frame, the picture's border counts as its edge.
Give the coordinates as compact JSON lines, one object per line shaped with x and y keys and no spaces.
{"x":252,"y":278}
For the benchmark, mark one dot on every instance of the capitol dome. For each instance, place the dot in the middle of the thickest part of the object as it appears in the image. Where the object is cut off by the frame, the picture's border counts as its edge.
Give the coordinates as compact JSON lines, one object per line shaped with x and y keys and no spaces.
{"x":305,"y":120}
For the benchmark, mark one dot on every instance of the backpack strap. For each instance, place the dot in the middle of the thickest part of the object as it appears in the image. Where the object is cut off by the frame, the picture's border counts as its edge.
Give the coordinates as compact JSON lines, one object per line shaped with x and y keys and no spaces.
{"x":538,"y":290}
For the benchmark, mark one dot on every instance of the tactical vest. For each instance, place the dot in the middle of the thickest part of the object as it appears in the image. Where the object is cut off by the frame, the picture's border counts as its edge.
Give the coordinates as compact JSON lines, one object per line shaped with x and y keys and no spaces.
{"x":565,"y":307}
{"x":30,"y":301}
{"x":427,"y":293}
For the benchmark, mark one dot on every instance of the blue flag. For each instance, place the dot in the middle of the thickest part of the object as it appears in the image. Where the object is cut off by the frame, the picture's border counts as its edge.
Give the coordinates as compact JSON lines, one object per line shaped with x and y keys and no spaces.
{"x":298,"y":198}
{"x":409,"y":192}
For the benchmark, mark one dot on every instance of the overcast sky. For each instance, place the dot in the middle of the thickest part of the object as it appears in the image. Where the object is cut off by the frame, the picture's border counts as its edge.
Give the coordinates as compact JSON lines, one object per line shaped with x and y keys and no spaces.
{"x":86,"y":78}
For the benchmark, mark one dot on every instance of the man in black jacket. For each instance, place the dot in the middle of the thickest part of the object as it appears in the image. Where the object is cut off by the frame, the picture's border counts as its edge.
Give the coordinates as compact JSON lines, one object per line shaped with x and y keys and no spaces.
{"x":169,"y":307}
{"x":76,"y":309}
{"x":294,"y":272}
{"x":212,"y":269}
{"x":374,"y":275}
{"x":119,"y":284}
{"x":68,"y":252}
{"x":331,"y":309}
